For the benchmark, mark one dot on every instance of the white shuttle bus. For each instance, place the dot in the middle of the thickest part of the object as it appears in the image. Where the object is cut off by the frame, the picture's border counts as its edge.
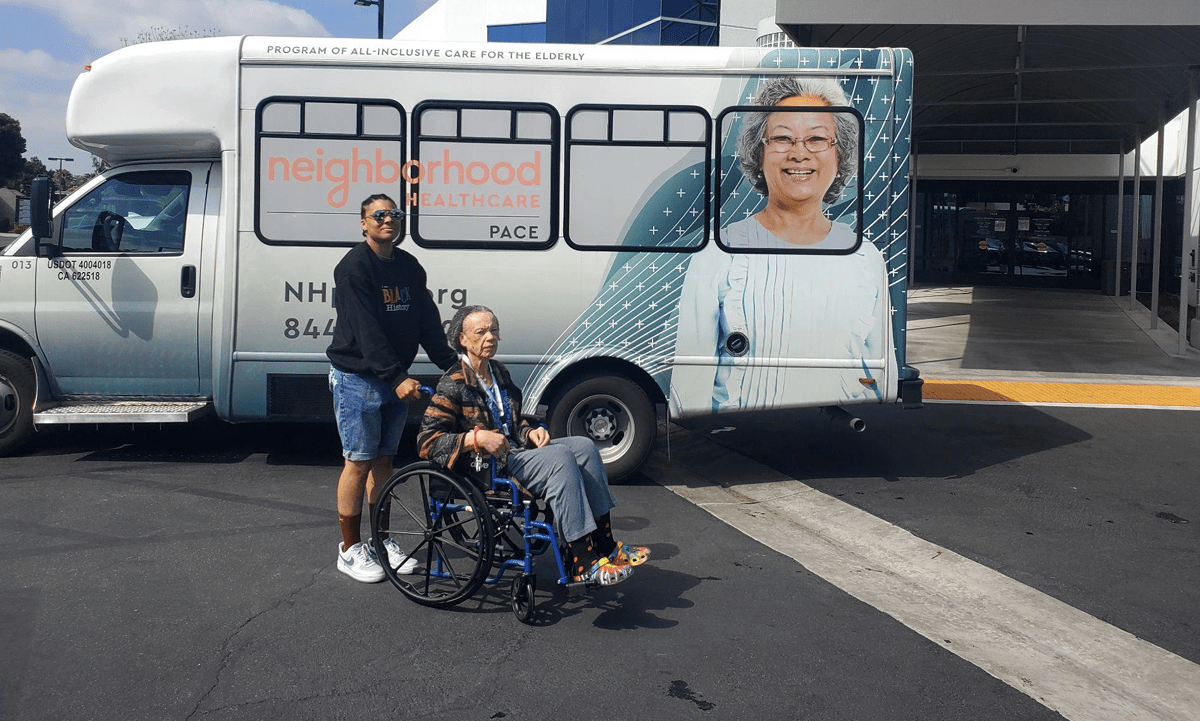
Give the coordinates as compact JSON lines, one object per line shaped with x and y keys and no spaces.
{"x":675,"y":230}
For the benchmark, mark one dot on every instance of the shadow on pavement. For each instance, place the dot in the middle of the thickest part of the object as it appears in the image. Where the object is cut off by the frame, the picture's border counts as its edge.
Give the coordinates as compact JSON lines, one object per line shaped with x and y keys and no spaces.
{"x":208,"y":441}
{"x":936,"y":309}
{"x":937,"y":441}
{"x":626,"y":606}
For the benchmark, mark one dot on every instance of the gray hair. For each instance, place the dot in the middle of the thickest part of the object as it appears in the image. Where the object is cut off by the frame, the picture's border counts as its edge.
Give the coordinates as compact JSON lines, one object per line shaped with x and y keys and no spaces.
{"x":454,"y":329}
{"x":750,"y":145}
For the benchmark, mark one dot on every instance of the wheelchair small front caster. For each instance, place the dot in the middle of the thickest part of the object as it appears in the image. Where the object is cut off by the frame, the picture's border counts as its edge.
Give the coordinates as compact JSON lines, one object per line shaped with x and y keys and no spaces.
{"x":522,"y":596}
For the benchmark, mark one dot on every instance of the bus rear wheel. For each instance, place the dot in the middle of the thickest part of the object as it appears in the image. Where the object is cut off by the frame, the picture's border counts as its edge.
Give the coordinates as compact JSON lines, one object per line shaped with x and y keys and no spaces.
{"x":16,"y":402}
{"x":615,"y":413}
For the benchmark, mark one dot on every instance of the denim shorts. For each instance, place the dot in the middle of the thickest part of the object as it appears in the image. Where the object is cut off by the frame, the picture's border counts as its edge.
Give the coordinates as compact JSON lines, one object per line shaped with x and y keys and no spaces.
{"x":370,"y":418}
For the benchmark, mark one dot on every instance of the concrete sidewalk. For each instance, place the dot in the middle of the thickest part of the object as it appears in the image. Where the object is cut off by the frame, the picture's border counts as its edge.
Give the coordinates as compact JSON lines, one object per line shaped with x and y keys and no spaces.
{"x":1024,"y":336}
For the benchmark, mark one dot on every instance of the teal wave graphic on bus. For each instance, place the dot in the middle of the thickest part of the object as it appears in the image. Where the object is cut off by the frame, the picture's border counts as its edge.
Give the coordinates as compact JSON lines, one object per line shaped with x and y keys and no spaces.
{"x":721,"y":330}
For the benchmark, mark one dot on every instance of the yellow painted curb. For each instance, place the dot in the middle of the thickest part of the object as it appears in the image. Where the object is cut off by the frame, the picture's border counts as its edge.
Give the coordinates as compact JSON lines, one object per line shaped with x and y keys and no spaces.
{"x":1087,"y":393}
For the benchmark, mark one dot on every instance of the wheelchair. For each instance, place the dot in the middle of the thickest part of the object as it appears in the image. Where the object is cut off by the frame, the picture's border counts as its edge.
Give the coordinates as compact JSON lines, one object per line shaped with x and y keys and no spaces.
{"x":465,"y":531}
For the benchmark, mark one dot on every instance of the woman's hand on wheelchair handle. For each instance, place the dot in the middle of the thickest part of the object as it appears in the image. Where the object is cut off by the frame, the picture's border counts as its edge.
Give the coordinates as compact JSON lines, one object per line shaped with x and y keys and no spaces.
{"x":409,"y":390}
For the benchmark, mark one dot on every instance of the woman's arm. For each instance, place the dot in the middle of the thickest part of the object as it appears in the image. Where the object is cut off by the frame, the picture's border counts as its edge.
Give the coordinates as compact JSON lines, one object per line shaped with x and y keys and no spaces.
{"x":444,"y":429}
{"x":455,"y":422}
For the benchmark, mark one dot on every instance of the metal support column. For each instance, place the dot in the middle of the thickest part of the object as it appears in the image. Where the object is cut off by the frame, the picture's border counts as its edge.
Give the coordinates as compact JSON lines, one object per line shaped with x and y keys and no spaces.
{"x":1188,"y":265}
{"x":1137,"y":222}
{"x":1120,"y":216}
{"x":1155,"y":271}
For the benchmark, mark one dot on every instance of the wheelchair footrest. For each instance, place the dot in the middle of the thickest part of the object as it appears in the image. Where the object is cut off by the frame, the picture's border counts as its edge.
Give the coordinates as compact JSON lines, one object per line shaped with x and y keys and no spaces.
{"x":578,"y":588}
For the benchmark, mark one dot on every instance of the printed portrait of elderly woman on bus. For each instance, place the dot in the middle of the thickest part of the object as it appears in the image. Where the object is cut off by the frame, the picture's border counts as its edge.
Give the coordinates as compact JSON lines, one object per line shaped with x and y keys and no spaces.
{"x":801,"y":162}
{"x":803,"y":323}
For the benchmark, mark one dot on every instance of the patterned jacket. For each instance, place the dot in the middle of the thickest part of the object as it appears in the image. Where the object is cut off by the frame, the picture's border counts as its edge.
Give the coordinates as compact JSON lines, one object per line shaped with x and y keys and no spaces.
{"x":460,"y":405}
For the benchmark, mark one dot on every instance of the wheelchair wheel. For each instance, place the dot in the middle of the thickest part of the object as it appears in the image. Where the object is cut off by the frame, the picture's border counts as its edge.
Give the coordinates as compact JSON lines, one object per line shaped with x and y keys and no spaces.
{"x":522,"y":596}
{"x":441,"y":521}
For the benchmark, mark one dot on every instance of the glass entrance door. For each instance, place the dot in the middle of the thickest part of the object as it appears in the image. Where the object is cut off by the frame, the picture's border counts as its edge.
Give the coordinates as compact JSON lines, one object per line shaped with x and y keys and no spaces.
{"x":1033,"y":234}
{"x":986,"y":238}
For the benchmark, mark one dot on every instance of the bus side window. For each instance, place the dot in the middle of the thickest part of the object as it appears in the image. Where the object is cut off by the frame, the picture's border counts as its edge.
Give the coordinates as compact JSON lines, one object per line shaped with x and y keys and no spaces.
{"x":484,"y":175}
{"x":637,"y":177}
{"x":138,"y":212}
{"x":811,"y":156}
{"x":316,"y":158}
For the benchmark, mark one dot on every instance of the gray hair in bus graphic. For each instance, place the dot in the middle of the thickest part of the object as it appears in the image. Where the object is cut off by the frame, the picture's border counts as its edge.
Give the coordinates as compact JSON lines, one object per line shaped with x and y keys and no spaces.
{"x":773,"y":93}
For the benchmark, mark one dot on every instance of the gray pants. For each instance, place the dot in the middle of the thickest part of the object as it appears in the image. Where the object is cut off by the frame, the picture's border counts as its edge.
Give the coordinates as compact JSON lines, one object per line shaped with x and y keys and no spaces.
{"x":569,"y":474}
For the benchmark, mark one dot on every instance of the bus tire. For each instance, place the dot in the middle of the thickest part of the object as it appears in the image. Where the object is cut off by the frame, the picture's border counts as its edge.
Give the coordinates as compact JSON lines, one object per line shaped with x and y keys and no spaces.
{"x":615,"y":413}
{"x":17,"y":387}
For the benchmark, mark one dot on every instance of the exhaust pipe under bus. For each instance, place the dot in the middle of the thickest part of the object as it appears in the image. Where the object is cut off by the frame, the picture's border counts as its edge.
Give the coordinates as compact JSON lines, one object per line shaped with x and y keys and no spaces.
{"x":837,"y":413}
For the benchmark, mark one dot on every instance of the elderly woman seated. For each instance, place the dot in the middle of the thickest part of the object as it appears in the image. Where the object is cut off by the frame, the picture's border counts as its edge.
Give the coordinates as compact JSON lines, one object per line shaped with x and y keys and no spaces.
{"x":477,"y":408}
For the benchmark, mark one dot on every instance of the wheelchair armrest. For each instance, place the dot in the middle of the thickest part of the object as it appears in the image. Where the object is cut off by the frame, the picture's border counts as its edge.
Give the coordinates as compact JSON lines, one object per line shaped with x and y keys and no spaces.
{"x":538,"y":417}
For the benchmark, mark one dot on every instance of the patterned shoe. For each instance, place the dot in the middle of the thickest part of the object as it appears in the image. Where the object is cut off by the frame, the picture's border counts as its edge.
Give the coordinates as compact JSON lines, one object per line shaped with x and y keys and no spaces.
{"x":606,"y":573}
{"x":629,"y":555}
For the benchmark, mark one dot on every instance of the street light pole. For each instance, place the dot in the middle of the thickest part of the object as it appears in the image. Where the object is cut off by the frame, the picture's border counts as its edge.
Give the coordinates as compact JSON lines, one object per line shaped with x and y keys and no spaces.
{"x":369,"y":3}
{"x":60,"y":161}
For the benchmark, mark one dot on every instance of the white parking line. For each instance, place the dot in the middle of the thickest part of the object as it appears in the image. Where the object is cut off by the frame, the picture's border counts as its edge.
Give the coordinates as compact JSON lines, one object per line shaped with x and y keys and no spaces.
{"x":1070,"y":661}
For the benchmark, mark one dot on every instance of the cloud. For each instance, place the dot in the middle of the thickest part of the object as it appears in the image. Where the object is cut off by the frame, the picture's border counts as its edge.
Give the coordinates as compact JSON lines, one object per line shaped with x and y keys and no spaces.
{"x":38,"y":64}
{"x":106,"y":22}
{"x":34,"y":90}
{"x":42,"y":117}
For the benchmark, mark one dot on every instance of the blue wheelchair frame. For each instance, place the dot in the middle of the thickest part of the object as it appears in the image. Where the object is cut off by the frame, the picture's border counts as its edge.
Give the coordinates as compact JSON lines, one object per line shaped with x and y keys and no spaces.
{"x":507,"y":511}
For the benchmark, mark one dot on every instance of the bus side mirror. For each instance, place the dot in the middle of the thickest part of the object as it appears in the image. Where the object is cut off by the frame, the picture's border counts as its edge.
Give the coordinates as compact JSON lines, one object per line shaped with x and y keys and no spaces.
{"x":39,"y":208}
{"x":39,"y":218}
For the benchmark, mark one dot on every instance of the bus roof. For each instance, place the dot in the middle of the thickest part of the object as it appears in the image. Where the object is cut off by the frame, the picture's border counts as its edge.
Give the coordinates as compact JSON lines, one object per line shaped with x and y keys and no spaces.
{"x":179,"y":99}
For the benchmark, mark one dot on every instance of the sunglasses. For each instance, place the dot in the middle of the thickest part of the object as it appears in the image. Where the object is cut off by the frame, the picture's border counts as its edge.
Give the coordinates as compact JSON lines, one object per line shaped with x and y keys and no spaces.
{"x":394,"y":214}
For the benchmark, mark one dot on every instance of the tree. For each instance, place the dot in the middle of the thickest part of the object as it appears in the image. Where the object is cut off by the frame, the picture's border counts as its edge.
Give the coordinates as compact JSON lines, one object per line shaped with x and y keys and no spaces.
{"x":63,"y":180}
{"x":98,"y":166}
{"x":33,"y":168}
{"x":12,"y":150}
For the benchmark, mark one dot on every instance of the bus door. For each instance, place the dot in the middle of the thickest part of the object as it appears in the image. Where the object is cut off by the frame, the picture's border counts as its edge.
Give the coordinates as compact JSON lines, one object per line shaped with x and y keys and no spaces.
{"x":117,"y":303}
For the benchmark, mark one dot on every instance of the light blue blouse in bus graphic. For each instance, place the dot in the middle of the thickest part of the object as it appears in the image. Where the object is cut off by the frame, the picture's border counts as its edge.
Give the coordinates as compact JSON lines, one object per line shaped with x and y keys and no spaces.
{"x":785,"y":306}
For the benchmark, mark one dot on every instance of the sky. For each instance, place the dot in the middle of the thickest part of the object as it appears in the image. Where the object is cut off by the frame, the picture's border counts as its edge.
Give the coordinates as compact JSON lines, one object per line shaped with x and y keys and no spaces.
{"x":44,"y":46}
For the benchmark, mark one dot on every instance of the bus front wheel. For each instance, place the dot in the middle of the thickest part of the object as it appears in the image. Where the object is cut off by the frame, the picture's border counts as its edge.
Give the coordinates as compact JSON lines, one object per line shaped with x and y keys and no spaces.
{"x":615,"y":413}
{"x":17,"y":385}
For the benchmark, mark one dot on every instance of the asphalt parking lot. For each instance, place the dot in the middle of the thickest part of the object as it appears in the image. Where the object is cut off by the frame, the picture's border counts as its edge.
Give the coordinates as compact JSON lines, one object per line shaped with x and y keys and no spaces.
{"x":153,"y":575}
{"x":188,"y":572}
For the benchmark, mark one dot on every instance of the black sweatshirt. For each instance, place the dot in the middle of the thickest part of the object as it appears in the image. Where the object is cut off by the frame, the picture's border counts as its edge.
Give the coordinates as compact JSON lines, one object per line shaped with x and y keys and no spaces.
{"x":384,"y":310}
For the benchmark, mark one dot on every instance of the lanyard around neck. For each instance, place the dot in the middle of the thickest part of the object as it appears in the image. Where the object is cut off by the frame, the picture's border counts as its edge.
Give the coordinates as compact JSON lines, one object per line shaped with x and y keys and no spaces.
{"x":497,"y":399}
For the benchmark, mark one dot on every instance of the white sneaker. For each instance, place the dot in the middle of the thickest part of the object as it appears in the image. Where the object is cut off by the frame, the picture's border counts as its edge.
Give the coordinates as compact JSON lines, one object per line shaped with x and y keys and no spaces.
{"x":358,"y":563}
{"x":402,"y":564}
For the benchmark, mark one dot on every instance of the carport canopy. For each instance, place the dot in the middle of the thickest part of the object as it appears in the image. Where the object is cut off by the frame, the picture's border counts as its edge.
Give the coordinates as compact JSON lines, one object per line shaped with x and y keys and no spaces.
{"x":1023,"y":76}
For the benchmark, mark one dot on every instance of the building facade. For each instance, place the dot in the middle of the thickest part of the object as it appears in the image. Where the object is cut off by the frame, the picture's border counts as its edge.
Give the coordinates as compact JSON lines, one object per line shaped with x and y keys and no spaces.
{"x":633,"y":22}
